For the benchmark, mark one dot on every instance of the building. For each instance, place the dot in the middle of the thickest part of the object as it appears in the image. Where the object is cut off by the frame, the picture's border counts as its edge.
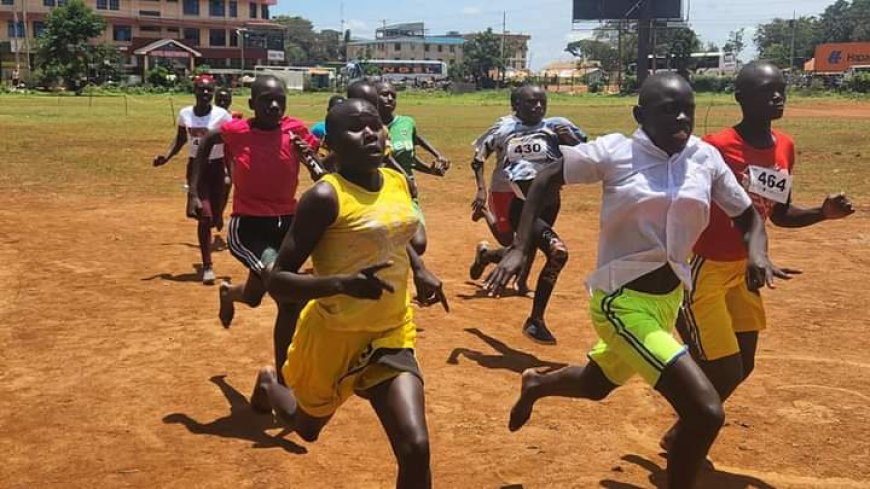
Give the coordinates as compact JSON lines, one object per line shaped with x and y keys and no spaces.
{"x":179,"y":33}
{"x":410,"y":42}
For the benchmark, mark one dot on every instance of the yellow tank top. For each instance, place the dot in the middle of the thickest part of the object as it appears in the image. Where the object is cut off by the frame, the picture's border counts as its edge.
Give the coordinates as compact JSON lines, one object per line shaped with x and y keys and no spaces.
{"x":371,"y":228}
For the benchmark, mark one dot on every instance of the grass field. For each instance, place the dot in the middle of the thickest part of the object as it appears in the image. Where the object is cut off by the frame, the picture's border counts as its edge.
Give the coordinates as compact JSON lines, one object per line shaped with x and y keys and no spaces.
{"x":116,"y":373}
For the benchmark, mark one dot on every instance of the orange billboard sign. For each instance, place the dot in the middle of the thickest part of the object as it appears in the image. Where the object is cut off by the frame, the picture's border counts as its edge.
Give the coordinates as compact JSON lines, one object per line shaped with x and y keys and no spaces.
{"x":840,"y":56}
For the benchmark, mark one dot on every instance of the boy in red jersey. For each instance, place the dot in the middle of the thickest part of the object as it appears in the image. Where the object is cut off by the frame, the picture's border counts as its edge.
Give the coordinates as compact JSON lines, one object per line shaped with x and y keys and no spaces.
{"x":721,"y":318}
{"x":266,"y":162}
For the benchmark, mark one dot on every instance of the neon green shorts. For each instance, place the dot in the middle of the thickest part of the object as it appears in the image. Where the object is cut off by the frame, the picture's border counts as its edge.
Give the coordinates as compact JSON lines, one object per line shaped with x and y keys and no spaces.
{"x":419,"y":211}
{"x":636,"y":333}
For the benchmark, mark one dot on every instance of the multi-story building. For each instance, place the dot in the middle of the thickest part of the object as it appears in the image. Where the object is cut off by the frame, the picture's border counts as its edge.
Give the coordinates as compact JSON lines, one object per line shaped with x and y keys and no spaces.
{"x":185,"y":32}
{"x":408,"y":42}
{"x":516,"y":56}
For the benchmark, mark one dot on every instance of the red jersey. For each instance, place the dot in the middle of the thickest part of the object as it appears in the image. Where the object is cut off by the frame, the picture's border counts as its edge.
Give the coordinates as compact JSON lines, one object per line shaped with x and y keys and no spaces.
{"x":722,"y":241}
{"x":265,"y":166}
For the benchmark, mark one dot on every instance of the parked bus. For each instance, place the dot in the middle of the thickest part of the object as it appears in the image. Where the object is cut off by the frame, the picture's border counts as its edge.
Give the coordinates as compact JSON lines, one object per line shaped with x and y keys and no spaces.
{"x":398,"y":70}
{"x":715,"y":63}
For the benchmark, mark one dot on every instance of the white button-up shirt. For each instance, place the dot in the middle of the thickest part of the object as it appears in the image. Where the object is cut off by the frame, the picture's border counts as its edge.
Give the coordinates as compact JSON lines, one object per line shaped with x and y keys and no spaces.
{"x":654,"y":206}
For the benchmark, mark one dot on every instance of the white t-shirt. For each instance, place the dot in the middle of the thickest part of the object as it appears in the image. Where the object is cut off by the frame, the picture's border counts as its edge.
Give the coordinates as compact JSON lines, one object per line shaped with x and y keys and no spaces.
{"x":198,"y":128}
{"x":654,"y":207}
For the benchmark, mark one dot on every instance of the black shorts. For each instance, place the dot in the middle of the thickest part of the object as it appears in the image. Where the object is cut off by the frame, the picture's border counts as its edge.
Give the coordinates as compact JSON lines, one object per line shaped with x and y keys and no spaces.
{"x":255,"y":240}
{"x":549,"y":215}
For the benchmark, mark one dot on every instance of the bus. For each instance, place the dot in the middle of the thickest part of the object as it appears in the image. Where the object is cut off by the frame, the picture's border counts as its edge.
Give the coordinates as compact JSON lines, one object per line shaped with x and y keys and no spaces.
{"x":398,"y":70}
{"x":714,"y":63}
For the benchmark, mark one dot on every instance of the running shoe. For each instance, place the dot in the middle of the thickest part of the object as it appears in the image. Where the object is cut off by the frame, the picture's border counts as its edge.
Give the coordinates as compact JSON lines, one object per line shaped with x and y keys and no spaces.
{"x":479,"y":265}
{"x":537,"y":331}
{"x":207,"y":276}
{"x":218,"y":244}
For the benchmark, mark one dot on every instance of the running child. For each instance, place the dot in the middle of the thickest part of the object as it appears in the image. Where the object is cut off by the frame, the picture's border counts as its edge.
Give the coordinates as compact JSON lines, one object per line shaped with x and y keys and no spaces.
{"x":194,"y":124}
{"x":265,"y":176}
{"x":524,"y":145}
{"x":223,"y":98}
{"x":357,"y":333}
{"x":658,"y":187}
{"x":721,"y":318}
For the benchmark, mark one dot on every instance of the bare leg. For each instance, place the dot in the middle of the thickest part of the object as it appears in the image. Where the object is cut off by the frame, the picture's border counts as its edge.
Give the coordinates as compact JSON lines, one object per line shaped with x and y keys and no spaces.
{"x":285,"y":326}
{"x":269,"y":392}
{"x":699,"y":408}
{"x":399,"y":404}
{"x":250,"y":293}
{"x":586,"y":382}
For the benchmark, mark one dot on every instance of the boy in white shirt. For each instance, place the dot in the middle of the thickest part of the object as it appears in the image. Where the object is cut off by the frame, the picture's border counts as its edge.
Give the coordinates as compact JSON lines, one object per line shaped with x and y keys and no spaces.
{"x":658,"y":187}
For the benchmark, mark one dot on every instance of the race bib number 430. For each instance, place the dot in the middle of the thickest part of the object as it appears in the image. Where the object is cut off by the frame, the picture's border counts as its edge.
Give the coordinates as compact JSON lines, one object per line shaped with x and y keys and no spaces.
{"x":529,"y":149}
{"x":770,"y":183}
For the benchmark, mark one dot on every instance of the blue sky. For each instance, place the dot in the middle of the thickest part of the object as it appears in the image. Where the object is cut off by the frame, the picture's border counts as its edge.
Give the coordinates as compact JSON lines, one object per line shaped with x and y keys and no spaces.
{"x":547,"y":21}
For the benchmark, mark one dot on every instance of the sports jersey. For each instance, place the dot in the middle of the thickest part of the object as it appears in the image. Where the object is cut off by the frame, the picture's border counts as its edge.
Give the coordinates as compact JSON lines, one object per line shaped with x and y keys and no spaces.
{"x":319,"y":130}
{"x":763,"y":172}
{"x":521,"y":150}
{"x":265,"y":166}
{"x":371,"y":228}
{"x":403,"y":130}
{"x":198,"y":127}
{"x":654,"y":206}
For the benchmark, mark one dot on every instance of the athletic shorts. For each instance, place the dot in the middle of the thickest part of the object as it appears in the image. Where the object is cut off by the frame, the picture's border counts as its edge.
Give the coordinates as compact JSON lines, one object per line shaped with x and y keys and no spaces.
{"x":500,"y":205}
{"x":212,"y":187}
{"x":255,"y":240}
{"x":325,"y":367}
{"x":549,"y":214}
{"x":720,"y":306}
{"x":419,"y":212}
{"x":636,"y":333}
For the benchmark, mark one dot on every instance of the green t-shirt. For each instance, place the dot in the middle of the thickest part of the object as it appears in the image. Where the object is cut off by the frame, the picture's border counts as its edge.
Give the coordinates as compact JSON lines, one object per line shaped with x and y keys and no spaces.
{"x":402,"y":132}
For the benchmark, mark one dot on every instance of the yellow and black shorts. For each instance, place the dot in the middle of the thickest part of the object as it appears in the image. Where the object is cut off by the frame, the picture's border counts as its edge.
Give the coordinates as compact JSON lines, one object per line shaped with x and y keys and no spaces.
{"x":636,"y":333}
{"x":325,"y":366}
{"x":719,"y":306}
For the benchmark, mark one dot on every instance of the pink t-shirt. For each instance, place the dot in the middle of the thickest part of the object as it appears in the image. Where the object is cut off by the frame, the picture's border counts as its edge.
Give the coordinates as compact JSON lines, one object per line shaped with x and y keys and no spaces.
{"x":265,"y":166}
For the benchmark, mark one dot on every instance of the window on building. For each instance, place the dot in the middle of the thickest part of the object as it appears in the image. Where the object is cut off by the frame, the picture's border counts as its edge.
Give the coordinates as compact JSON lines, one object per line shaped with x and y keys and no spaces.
{"x":102,"y":4}
{"x":172,"y":30}
{"x":217,"y":37}
{"x":38,"y":28}
{"x":397,"y":46}
{"x":234,"y":8}
{"x":252,"y":10}
{"x":264,"y":12}
{"x":452,"y":49}
{"x":440,"y":48}
{"x":115,"y":5}
{"x":48,"y":3}
{"x":191,"y":36}
{"x":7,"y":2}
{"x":61,"y":3}
{"x":234,"y":39}
{"x":149,"y":13}
{"x":122,"y":33}
{"x":216,"y":8}
{"x":191,"y":7}
{"x":426,"y":48}
{"x":16,"y":30}
{"x":150,"y":30}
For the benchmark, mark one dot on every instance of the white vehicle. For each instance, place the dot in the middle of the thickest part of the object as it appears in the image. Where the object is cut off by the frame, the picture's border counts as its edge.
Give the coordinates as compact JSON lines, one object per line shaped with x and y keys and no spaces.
{"x":715,"y":63}
{"x":856,"y":70}
{"x":398,"y":70}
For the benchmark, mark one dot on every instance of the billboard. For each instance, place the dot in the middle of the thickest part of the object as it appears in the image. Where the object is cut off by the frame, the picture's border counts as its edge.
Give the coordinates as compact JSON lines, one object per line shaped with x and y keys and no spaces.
{"x":839,"y":57}
{"x":625,"y":9}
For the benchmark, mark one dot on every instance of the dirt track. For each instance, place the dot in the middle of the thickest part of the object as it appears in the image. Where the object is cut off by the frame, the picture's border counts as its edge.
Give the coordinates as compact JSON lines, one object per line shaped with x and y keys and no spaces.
{"x":116,"y":373}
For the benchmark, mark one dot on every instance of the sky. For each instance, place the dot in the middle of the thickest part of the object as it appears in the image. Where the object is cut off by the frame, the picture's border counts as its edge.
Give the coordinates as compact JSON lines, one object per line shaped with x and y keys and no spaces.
{"x":547,"y":21}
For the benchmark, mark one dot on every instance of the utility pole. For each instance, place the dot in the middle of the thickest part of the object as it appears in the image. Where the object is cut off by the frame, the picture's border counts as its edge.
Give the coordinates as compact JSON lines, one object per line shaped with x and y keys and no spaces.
{"x":791,"y":53}
{"x":643,"y":44}
{"x":503,"y":35}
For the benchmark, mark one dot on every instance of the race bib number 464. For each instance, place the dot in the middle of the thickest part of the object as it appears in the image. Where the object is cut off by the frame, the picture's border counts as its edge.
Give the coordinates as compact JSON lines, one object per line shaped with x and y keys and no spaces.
{"x":770,"y":183}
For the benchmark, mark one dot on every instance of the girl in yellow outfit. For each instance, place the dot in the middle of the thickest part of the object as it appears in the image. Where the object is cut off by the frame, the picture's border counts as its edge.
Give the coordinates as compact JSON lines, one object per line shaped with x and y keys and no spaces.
{"x":357,"y":333}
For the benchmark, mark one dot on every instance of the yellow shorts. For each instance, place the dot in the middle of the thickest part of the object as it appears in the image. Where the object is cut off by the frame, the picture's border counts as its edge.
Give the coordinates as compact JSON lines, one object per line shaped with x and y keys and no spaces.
{"x":719,"y":306}
{"x":636,"y":333}
{"x":325,"y":367}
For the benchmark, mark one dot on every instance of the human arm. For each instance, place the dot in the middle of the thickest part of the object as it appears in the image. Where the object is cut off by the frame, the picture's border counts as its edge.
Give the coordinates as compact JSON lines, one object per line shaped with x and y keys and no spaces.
{"x":441,"y":164}
{"x":760,"y":271}
{"x":177,"y":144}
{"x":194,"y":205}
{"x":317,"y":210}
{"x":569,"y":134}
{"x":308,"y":157}
{"x":429,"y":287}
{"x":835,"y":206}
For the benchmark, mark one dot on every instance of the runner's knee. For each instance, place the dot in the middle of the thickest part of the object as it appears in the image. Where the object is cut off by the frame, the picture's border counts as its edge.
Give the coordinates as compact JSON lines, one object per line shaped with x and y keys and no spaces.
{"x":413,"y":449}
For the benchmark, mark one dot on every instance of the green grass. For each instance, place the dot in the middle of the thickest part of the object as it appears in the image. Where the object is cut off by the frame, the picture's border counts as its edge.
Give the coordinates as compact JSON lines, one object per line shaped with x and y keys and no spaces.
{"x":103,"y":145}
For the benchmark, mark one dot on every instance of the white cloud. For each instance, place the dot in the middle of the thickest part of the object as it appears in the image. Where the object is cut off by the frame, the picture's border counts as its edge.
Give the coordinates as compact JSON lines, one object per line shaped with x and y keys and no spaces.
{"x":471,"y":10}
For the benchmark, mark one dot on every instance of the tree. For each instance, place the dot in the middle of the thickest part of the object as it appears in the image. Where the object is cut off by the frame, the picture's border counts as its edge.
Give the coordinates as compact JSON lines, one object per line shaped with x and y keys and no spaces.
{"x":63,"y":49}
{"x":482,"y":56}
{"x":106,"y":64}
{"x":592,"y":50}
{"x":735,"y":43}
{"x":774,"y":40}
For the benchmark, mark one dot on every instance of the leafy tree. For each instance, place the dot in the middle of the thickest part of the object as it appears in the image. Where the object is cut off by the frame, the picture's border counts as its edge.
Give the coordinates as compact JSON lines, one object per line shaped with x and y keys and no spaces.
{"x":106,"y":64}
{"x":63,"y":49}
{"x":735,"y":43}
{"x":593,"y":50}
{"x":835,"y":23}
{"x":774,"y":40}
{"x":482,"y":56}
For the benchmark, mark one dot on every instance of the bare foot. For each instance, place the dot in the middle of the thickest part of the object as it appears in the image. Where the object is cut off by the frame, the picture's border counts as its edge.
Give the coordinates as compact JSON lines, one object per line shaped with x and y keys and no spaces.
{"x":523,"y":289}
{"x":667,"y":440}
{"x":522,"y":410}
{"x":478,"y":214}
{"x":227,"y":307}
{"x":260,"y":399}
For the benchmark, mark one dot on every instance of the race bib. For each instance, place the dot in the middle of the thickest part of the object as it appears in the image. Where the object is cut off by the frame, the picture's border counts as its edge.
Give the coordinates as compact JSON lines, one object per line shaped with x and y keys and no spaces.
{"x":770,"y":183}
{"x":532,"y":148}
